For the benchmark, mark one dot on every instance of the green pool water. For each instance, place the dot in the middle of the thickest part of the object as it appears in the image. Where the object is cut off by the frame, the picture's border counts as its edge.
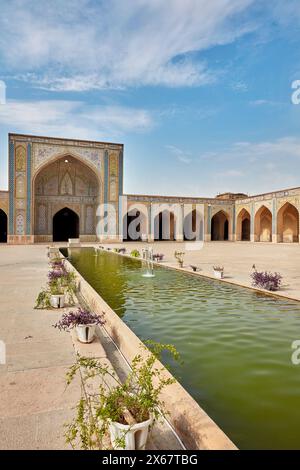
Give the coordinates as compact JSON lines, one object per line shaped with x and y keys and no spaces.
{"x":235,"y":343}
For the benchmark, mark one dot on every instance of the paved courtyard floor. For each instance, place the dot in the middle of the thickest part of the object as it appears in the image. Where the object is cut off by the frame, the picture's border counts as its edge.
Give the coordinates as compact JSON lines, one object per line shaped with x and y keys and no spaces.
{"x":237,"y":259}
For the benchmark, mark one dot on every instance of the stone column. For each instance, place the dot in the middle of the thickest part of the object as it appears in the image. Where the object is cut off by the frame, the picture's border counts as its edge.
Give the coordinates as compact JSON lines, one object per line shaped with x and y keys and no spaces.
{"x":179,"y":223}
{"x":11,"y":215}
{"x":274,"y":221}
{"x":207,"y":222}
{"x":151,"y":218}
{"x":252,"y":223}
{"x":233,"y":225}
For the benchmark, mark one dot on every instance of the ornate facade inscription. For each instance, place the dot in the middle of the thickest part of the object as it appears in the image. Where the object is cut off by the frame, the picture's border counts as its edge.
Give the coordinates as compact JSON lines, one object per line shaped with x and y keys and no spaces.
{"x":20,"y":158}
{"x":44,"y":152}
{"x":113,"y":171}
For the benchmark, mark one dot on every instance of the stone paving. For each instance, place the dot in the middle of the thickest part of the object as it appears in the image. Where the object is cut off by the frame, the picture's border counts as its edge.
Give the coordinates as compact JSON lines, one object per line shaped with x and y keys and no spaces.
{"x":34,"y":403}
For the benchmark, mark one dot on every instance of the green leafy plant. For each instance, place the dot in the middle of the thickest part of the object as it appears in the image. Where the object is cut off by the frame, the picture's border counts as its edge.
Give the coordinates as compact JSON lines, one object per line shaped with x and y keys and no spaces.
{"x":179,"y":255}
{"x":43,"y":299}
{"x":135,"y":254}
{"x":113,"y":401}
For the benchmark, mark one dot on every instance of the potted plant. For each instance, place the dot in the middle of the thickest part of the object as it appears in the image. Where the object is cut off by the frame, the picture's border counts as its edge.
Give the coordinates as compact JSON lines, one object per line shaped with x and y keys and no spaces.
{"x":124,"y":409}
{"x":266,"y":280}
{"x":57,"y":294}
{"x":218,"y":272}
{"x":179,"y":255}
{"x":61,"y":287}
{"x":84,"y":322}
{"x":135,"y":253}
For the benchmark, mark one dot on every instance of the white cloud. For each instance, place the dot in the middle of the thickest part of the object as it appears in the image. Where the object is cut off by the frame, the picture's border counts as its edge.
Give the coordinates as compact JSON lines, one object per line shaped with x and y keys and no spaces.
{"x":256,"y":167}
{"x":278,"y":149}
{"x":263,"y":102}
{"x":181,"y":156}
{"x":231,"y":173}
{"x":240,"y":86}
{"x":80,"y":45}
{"x":73,"y":119}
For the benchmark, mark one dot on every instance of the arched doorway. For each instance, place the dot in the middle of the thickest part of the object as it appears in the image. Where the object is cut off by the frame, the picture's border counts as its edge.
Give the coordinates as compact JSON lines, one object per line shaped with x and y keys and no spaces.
{"x":288,"y":224}
{"x":3,"y":227}
{"x":193,"y":226}
{"x":220,"y":227}
{"x":65,"y":225}
{"x":66,"y":182}
{"x":243,"y":226}
{"x":263,"y":225}
{"x":164,"y":226}
{"x":136,"y":224}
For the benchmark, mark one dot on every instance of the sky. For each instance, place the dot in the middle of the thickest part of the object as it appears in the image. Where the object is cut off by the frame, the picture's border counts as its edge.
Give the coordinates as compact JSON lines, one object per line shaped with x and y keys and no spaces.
{"x":198,"y":91}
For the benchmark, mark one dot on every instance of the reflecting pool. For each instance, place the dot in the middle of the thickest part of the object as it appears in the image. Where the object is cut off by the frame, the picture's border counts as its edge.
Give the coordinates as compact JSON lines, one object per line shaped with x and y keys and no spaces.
{"x":235,"y":343}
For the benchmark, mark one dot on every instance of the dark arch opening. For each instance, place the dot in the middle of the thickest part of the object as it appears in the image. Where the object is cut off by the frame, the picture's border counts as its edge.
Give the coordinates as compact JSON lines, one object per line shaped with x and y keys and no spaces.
{"x":220,"y":227}
{"x":3,"y":227}
{"x":130,"y":218}
{"x":226,"y":230}
{"x":65,"y":225}
{"x":246,"y":230}
{"x":164,"y":226}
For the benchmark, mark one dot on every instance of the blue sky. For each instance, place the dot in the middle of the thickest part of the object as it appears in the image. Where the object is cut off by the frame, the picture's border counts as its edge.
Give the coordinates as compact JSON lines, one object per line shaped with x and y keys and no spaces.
{"x":199,"y":92}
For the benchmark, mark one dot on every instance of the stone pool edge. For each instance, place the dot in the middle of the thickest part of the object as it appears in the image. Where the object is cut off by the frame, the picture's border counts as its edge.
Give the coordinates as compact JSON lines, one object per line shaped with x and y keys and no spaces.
{"x":192,"y":424}
{"x":162,"y":264}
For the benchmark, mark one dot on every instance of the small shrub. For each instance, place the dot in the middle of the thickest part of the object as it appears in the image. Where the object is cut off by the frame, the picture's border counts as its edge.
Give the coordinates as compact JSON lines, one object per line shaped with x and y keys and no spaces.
{"x":218,"y":268}
{"x":135,"y":254}
{"x":139,"y":395}
{"x":43,"y":300}
{"x":266,"y":280}
{"x":179,"y":255}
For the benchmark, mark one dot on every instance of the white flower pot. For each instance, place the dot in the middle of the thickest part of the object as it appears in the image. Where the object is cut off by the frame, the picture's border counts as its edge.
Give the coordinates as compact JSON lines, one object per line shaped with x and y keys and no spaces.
{"x":57,"y":301}
{"x":135,"y":435}
{"x":219,"y":274}
{"x":85,"y":333}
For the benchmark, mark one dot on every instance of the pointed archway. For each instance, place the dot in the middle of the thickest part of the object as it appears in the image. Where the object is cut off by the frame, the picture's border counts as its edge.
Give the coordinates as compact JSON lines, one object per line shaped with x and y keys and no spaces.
{"x":288,"y":224}
{"x":193,"y":226}
{"x":65,"y":225}
{"x":220,"y":226}
{"x":65,"y":182}
{"x":3,"y":227}
{"x":164,"y":226}
{"x":263,"y":225}
{"x":243,"y":226}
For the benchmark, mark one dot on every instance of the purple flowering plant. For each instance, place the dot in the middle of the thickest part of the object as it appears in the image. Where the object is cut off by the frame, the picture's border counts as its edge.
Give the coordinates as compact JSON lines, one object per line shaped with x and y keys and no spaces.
{"x":56,"y":274}
{"x":57,"y":263}
{"x":80,"y":316}
{"x":266,"y":280}
{"x":158,"y":256}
